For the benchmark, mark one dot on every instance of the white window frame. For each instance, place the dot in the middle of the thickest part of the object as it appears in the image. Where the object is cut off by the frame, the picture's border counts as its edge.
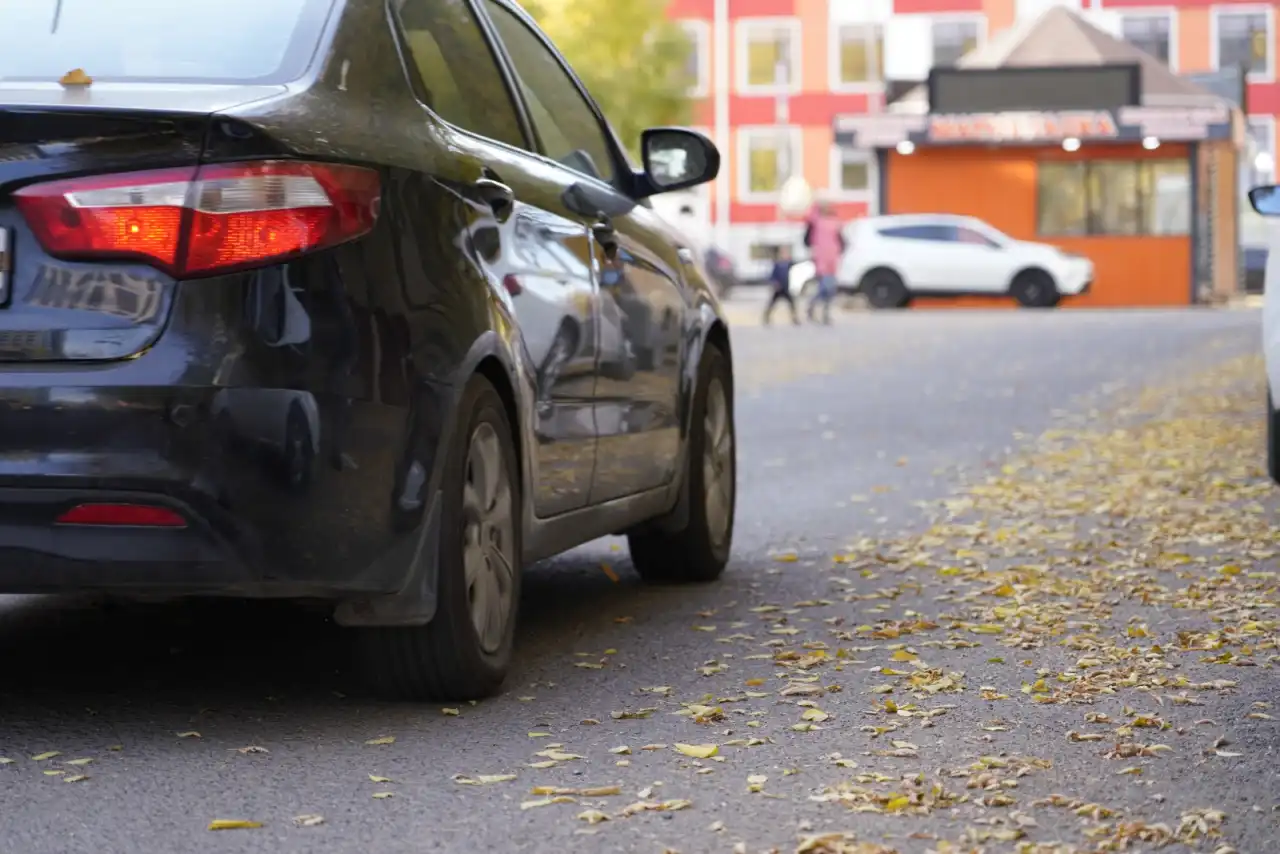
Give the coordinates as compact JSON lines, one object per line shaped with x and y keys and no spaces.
{"x":840,"y":154}
{"x":743,"y":30}
{"x":699,"y":32}
{"x":1215,"y":15}
{"x":795,"y":140}
{"x":833,"y":58}
{"x":978,"y":18}
{"x":1169,"y":12}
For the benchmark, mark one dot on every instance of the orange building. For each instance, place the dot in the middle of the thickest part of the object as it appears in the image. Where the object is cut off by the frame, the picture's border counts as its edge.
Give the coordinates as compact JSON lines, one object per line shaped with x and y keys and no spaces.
{"x":1059,"y":133}
{"x":842,"y":57}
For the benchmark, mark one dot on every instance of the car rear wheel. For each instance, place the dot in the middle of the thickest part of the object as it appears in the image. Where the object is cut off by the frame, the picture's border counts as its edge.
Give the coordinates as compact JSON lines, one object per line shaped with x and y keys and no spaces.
{"x":699,"y":551}
{"x":1273,"y":439}
{"x":885,"y":289}
{"x":1035,"y":289}
{"x":465,"y":651}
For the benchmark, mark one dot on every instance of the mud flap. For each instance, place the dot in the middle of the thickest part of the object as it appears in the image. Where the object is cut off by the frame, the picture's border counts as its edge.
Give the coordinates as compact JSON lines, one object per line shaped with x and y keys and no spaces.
{"x":415,"y":605}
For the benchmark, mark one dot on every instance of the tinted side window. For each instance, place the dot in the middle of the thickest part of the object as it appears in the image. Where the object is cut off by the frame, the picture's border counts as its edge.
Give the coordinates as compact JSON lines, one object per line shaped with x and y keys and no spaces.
{"x":459,"y":74}
{"x":968,"y":235}
{"x":943,"y":233}
{"x":570,"y":132}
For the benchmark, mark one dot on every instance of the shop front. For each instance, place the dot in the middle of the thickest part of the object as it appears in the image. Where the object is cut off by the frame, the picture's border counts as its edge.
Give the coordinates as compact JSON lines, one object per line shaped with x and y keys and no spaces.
{"x":1144,"y":190}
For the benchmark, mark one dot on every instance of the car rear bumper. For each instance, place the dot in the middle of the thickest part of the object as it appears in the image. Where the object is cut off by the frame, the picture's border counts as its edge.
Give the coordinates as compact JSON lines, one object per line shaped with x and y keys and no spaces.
{"x":38,"y":555}
{"x":262,"y":519}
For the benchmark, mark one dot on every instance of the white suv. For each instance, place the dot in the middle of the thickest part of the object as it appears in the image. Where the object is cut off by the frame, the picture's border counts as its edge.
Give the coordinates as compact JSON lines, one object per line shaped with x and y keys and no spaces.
{"x":892,"y":259}
{"x":1266,"y":201}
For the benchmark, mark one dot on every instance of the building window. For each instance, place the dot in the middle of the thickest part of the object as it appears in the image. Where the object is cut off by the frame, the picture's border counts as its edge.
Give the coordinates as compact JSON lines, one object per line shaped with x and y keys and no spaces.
{"x":1114,"y":197}
{"x":853,"y":174}
{"x":698,"y":69}
{"x":769,"y":55}
{"x":859,"y":55}
{"x":953,"y":39}
{"x":762,"y":252}
{"x":1152,"y":34}
{"x":768,"y":157}
{"x":1244,"y":39}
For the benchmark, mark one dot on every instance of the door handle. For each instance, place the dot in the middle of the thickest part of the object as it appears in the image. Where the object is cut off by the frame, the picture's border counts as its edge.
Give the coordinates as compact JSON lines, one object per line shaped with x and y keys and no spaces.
{"x":500,"y":198}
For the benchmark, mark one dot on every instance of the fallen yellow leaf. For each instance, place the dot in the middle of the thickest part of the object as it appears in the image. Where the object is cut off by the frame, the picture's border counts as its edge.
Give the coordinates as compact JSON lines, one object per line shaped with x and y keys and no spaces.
{"x":233,"y":824}
{"x":697,"y":751}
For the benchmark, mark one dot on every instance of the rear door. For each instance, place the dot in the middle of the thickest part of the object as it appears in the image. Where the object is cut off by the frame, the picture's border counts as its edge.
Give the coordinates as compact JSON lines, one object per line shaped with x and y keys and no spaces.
{"x":158,"y":75}
{"x":642,"y":302}
{"x":532,"y":252}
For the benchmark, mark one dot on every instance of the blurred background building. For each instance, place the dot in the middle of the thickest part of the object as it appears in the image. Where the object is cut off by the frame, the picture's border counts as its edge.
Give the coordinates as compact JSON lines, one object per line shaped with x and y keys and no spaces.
{"x":773,"y":76}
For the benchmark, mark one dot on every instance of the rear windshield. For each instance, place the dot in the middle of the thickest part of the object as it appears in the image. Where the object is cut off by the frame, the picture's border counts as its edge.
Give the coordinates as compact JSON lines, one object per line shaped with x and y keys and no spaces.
{"x":213,"y":41}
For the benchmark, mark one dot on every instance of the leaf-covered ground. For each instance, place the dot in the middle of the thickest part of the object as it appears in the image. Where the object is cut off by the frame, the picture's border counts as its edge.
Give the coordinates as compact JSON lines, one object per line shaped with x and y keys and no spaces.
{"x":1123,"y":580}
{"x":1077,"y":655}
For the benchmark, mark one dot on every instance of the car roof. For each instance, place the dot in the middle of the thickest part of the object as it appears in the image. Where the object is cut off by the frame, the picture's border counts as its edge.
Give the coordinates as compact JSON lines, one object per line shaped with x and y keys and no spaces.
{"x":903,"y":220}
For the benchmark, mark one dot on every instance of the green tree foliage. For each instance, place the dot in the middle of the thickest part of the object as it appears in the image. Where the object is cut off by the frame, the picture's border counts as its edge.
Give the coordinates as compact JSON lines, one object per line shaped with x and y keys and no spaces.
{"x":633,"y":59}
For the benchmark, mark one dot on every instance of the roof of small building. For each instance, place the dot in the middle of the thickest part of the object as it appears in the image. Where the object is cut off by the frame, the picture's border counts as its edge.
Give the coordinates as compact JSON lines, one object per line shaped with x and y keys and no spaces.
{"x":1061,"y":37}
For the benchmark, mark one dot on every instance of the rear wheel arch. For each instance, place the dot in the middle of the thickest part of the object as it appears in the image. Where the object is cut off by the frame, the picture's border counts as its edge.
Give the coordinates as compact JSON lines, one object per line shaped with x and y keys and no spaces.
{"x":880,"y":269}
{"x":492,"y":369}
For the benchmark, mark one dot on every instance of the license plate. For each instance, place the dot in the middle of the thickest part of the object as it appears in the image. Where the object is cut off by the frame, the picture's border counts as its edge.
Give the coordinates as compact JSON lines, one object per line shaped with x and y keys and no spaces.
{"x":6,"y":264}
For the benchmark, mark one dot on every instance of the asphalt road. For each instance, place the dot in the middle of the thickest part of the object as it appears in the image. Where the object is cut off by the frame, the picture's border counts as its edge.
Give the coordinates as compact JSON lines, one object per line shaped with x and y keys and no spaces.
{"x":849,"y":438}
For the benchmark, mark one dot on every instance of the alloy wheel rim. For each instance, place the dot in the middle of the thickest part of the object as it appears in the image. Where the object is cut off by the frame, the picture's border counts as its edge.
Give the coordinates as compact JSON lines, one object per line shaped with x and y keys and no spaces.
{"x":717,"y":462}
{"x":488,"y":539}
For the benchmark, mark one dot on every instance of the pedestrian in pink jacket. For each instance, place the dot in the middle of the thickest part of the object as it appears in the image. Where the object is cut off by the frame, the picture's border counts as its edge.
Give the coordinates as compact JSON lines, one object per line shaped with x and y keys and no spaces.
{"x":824,"y":235}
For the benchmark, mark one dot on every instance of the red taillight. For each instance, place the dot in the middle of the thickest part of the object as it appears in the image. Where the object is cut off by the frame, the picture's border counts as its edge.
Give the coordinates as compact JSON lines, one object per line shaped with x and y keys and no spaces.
{"x":200,"y":220}
{"x":512,"y":284}
{"x":131,"y":515}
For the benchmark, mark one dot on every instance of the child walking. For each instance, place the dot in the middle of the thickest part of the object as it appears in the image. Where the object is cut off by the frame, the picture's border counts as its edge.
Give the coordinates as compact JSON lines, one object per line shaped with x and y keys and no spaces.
{"x":781,"y":280}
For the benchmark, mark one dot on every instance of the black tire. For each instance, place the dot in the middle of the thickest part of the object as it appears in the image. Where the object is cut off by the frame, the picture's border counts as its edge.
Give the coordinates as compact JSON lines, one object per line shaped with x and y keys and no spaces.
{"x":1035,"y":289}
{"x":1273,"y":440}
{"x":445,"y":659}
{"x":696,"y":553}
{"x":885,"y":289}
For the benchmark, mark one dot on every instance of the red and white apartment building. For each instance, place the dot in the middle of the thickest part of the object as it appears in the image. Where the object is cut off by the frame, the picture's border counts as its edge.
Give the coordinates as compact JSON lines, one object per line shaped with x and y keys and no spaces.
{"x":773,"y":74}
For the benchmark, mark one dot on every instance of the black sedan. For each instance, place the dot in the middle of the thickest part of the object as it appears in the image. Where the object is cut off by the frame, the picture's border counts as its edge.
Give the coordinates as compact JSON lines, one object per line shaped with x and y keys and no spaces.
{"x":352,"y":301}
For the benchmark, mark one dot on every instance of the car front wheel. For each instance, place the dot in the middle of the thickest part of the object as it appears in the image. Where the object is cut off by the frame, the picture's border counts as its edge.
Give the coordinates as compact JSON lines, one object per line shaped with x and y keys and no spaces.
{"x":699,"y":551}
{"x":465,"y":651}
{"x":1035,"y":289}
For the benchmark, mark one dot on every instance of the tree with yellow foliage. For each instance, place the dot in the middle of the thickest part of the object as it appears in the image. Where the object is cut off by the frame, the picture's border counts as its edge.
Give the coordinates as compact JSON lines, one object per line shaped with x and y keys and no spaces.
{"x":633,"y":59}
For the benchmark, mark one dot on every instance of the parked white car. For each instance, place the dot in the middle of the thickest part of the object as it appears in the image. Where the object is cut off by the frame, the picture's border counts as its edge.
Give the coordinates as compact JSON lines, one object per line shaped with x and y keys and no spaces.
{"x":892,"y":259}
{"x":1266,"y":201}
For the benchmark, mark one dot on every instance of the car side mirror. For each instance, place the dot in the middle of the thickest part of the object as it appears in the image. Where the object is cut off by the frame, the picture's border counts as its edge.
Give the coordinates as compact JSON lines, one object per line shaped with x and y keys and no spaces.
{"x":675,"y":158}
{"x":1266,"y":200}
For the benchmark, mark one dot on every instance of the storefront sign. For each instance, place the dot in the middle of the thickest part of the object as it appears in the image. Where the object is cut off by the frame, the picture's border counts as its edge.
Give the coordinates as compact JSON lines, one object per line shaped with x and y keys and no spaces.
{"x":1176,"y":124}
{"x":881,"y":130}
{"x":1129,"y":124}
{"x":1021,"y":127}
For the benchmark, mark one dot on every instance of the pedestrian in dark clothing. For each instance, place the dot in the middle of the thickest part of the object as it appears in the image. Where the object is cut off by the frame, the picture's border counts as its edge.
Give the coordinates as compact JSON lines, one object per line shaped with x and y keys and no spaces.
{"x":780,"y":278}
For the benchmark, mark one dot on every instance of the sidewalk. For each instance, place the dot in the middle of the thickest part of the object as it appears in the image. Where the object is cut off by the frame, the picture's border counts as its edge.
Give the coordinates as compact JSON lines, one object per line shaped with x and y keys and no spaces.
{"x":745,"y":306}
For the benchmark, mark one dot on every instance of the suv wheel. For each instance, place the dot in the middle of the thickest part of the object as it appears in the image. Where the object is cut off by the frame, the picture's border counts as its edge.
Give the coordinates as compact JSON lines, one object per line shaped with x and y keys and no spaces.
{"x":465,"y":651}
{"x":885,"y":289}
{"x":699,"y":551}
{"x":1035,"y":289}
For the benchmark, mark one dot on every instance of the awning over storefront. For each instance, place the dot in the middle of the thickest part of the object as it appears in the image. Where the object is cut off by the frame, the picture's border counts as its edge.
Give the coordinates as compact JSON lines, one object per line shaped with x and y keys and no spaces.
{"x":1055,"y":78}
